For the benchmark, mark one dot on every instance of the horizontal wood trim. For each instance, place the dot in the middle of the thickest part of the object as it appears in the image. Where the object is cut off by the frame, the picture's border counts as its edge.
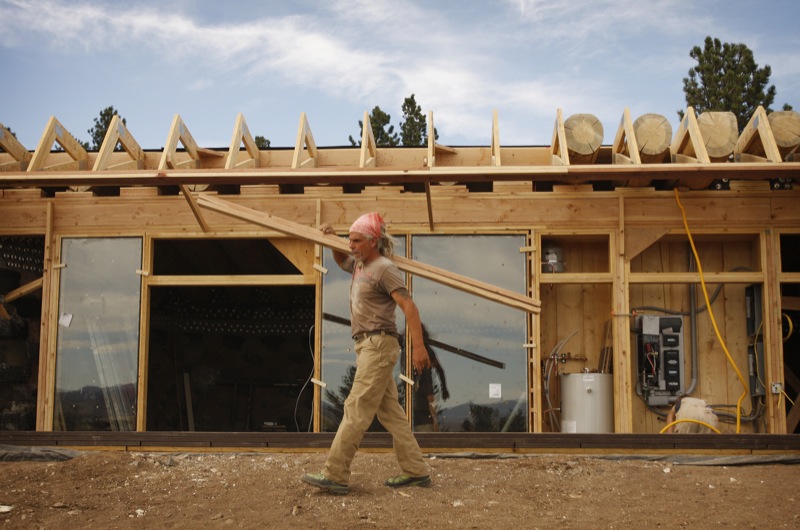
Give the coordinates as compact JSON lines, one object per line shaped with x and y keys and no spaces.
{"x":576,"y":277}
{"x":694,"y":277}
{"x":278,"y":279}
{"x":589,"y":443}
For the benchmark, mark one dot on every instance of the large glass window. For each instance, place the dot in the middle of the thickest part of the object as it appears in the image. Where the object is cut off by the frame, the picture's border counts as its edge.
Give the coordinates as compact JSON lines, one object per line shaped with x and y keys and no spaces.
{"x":226,"y":357}
{"x":98,"y":334}
{"x":338,"y":349}
{"x":482,"y":384}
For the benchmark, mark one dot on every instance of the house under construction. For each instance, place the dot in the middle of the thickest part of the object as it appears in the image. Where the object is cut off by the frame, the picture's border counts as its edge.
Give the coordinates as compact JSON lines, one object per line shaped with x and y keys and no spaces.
{"x":184,"y":297}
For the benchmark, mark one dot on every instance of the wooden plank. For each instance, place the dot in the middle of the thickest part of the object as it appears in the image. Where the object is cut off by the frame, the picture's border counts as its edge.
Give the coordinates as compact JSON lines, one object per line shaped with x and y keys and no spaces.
{"x":21,"y":291}
{"x":12,"y":146}
{"x":559,"y":156}
{"x":369,"y":150}
{"x":304,"y":138}
{"x":178,"y":132}
{"x":190,"y":199}
{"x":118,"y":133}
{"x":688,"y":141}
{"x":242,"y":134}
{"x":757,"y":140}
{"x":495,"y":146}
{"x":435,"y":274}
{"x":55,"y":132}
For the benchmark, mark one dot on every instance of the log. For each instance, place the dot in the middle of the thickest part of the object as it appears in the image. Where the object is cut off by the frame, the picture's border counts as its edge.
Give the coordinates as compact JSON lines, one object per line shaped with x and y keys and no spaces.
{"x":653,"y":136}
{"x":584,"y":135}
{"x":785,"y":125}
{"x":720,"y":132}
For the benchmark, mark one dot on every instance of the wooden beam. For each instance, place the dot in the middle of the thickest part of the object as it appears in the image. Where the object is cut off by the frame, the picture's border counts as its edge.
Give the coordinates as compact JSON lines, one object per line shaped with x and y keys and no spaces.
{"x":117,"y":133}
{"x":55,"y":132}
{"x":463,"y":283}
{"x":178,"y":132}
{"x":12,"y":146}
{"x":187,"y":193}
{"x":688,"y":145}
{"x":496,"y":162}
{"x":559,"y":156}
{"x":22,"y":290}
{"x":369,"y":150}
{"x":242,"y":134}
{"x":757,"y":141}
{"x":304,"y":138}
{"x":431,"y":159}
{"x":625,"y":149}
{"x":430,"y":205}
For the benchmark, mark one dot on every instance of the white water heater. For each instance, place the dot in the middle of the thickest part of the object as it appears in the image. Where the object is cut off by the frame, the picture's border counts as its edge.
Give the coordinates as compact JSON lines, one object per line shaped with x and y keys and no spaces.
{"x":587,"y":402}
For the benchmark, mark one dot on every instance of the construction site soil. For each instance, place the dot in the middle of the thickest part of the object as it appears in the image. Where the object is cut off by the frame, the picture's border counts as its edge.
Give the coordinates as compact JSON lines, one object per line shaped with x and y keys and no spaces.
{"x":118,"y":489}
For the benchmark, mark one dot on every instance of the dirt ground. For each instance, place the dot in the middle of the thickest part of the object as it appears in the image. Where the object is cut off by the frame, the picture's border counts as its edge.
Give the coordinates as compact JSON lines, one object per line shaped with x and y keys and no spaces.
{"x":112,"y":489}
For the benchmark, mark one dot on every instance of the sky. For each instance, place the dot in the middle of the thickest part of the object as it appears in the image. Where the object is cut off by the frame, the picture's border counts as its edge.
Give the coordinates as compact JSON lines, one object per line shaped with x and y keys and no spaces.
{"x":334,"y":60}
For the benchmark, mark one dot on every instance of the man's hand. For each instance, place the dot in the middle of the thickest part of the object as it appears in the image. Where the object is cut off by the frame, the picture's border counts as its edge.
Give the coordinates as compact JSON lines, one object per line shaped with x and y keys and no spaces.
{"x":420,"y":359}
{"x":326,"y":229}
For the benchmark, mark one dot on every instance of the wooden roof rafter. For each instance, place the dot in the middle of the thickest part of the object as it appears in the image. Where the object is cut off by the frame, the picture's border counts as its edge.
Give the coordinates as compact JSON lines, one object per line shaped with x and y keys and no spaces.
{"x":54,"y":132}
{"x":241,"y":134}
{"x":559,"y":155}
{"x":435,"y":148}
{"x":625,"y":149}
{"x":687,"y":146}
{"x":369,"y":150}
{"x":305,"y":142}
{"x":117,"y":133}
{"x":496,"y":161}
{"x":178,"y":132}
{"x":12,"y":146}
{"x":757,"y":143}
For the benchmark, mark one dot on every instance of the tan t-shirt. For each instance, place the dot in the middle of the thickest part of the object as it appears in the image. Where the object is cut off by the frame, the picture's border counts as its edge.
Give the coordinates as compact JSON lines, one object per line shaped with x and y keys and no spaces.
{"x":372,"y":307}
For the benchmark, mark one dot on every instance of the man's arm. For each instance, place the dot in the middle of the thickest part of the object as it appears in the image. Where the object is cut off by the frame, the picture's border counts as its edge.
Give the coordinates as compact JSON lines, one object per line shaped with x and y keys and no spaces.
{"x":419,"y":355}
{"x":339,"y":257}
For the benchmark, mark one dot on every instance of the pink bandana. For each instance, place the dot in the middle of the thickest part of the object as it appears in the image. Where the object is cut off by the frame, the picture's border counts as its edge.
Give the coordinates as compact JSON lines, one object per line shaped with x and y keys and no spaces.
{"x":368,"y":224}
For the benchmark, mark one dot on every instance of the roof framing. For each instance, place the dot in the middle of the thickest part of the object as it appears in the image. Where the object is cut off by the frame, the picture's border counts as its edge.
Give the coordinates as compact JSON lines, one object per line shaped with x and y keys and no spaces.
{"x":755,"y":156}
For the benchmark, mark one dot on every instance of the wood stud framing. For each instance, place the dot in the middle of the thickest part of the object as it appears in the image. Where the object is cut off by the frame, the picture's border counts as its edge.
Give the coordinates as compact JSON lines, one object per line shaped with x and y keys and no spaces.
{"x":636,"y":219}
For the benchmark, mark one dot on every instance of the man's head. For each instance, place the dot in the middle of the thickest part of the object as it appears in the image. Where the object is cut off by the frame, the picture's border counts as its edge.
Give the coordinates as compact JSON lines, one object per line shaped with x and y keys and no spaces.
{"x":368,"y":233}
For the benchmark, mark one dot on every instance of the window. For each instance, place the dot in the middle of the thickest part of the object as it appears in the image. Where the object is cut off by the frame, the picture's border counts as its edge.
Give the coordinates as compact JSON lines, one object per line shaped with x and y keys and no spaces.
{"x":480,"y":343}
{"x":98,"y":334}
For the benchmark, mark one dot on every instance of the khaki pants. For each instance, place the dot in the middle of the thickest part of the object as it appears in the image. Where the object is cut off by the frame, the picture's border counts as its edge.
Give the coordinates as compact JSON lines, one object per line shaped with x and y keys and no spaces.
{"x":374,"y":392}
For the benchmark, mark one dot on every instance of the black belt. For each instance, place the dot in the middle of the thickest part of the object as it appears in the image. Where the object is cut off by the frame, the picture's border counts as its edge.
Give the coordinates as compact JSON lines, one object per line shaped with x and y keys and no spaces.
{"x":358,"y":337}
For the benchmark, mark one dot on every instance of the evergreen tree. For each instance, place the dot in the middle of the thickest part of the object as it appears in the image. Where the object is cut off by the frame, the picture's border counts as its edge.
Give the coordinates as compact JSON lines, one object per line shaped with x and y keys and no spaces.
{"x":101,"y":123}
{"x":727,"y":78}
{"x":381,"y":129}
{"x":261,"y":142}
{"x":414,"y":127}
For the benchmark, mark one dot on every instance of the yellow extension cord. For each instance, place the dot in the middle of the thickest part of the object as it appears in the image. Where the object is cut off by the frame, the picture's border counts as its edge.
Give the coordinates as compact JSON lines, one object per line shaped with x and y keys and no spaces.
{"x":711,"y":314}
{"x":688,"y":420}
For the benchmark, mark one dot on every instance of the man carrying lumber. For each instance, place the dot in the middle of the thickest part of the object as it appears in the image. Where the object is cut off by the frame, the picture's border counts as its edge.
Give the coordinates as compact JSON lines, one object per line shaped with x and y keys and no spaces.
{"x":376,"y":290}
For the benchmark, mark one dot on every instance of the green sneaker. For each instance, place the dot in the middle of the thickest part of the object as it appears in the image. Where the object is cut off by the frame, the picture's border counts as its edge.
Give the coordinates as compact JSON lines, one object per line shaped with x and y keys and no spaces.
{"x":324,"y":483}
{"x":405,"y":480}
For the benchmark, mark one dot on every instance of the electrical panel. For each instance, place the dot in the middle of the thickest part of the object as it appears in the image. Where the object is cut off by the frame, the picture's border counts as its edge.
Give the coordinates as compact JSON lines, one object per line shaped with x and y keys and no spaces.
{"x":660,"y":358}
{"x":755,"y":350}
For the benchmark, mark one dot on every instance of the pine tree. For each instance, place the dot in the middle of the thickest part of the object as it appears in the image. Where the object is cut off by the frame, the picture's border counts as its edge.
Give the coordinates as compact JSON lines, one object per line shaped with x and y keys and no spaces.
{"x":727,"y":78}
{"x":101,"y":123}
{"x":381,"y":129}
